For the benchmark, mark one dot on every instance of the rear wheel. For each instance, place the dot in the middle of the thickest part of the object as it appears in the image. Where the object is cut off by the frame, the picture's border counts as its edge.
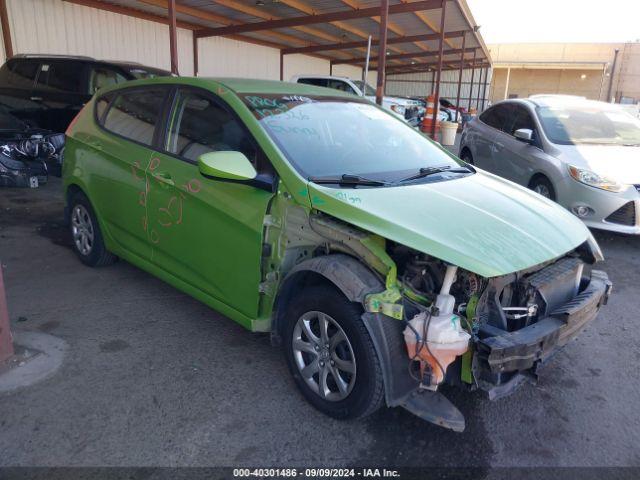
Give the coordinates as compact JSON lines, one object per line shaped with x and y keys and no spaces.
{"x":86,"y":235}
{"x":542,"y":186}
{"x":331,"y":355}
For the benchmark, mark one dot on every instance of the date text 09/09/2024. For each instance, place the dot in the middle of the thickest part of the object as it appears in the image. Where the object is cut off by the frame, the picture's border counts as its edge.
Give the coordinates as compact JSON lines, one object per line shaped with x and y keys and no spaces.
{"x":315,"y":473}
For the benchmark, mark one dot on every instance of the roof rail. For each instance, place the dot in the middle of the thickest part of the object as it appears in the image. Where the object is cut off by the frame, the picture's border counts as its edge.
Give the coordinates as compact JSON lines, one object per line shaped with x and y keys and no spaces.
{"x":52,"y":55}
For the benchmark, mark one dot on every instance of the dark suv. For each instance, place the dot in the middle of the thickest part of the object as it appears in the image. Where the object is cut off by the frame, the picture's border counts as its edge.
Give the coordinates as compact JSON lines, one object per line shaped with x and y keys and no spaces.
{"x":47,"y":91}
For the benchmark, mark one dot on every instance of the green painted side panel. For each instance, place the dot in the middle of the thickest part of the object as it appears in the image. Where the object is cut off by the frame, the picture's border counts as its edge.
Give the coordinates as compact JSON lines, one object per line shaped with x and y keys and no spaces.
{"x":481,"y":222}
{"x":111,"y":173}
{"x":194,"y":291}
{"x":207,"y":232}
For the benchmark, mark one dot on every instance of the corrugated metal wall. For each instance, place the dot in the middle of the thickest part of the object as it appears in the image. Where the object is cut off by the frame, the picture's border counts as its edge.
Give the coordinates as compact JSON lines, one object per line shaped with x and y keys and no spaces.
{"x":224,"y":57}
{"x":54,"y":26}
{"x":57,"y":27}
{"x":420,"y":85}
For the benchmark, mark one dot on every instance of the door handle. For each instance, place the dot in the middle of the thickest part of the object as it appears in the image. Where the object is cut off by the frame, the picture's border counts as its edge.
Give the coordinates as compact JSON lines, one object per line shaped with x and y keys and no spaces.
{"x":36,"y":99}
{"x":164,"y":177}
{"x":499,"y":145}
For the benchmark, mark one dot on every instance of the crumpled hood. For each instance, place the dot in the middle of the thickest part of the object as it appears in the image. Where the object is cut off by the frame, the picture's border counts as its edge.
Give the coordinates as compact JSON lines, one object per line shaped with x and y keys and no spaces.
{"x":614,"y":161}
{"x":481,"y":223}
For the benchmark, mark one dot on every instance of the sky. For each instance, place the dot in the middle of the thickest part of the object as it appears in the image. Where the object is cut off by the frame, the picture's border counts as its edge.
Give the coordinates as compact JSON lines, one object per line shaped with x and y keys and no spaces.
{"x":511,"y":21}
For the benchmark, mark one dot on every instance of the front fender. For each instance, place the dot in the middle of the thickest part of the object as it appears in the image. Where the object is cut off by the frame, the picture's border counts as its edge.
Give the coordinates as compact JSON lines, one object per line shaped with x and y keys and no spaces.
{"x":356,"y":281}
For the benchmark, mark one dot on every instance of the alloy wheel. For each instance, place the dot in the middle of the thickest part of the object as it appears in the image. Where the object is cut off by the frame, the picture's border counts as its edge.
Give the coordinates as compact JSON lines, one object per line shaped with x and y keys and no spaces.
{"x":82,"y":229}
{"x":324,"y":356}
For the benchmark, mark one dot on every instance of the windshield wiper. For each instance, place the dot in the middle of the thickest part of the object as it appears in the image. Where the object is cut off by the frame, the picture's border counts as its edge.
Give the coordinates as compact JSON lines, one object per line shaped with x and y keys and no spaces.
{"x":426,"y":171}
{"x":348,"y":179}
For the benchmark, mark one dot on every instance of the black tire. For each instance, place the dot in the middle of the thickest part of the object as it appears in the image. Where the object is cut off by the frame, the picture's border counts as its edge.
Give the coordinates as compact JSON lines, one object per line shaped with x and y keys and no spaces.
{"x":542,"y":186}
{"x":367,"y":393}
{"x":466,"y":156}
{"x":97,"y":255}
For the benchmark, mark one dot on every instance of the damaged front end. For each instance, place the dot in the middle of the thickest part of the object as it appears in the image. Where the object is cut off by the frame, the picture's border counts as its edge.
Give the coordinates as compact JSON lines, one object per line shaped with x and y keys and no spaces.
{"x":27,"y":160}
{"x":490,"y":334}
{"x":433,"y":323}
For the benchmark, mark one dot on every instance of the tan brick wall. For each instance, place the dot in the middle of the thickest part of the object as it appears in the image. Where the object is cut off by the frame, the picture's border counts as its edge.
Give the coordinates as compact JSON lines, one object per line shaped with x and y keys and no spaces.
{"x":558,"y":67}
{"x":527,"y":82}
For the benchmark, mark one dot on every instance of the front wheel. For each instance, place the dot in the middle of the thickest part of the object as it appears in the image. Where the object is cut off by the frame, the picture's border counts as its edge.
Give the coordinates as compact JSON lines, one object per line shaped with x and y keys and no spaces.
{"x":331,"y":355}
{"x":542,"y":186}
{"x":466,"y":156}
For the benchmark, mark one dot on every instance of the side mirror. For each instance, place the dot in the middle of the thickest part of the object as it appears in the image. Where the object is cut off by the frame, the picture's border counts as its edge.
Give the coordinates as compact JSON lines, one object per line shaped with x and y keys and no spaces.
{"x":226,"y":165}
{"x":524,"y":135}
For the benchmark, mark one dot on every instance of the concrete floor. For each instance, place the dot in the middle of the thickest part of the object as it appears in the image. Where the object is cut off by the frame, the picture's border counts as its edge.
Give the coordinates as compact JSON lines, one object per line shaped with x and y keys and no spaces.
{"x":155,"y":378}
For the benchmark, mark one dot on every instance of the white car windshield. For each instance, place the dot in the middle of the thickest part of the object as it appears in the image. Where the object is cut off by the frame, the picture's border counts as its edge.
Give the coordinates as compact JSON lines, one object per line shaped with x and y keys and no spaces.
{"x":603,"y":125}
{"x":333,"y":136}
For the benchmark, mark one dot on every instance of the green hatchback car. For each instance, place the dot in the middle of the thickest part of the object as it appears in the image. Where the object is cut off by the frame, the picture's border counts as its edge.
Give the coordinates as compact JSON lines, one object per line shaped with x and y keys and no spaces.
{"x":382,"y":264}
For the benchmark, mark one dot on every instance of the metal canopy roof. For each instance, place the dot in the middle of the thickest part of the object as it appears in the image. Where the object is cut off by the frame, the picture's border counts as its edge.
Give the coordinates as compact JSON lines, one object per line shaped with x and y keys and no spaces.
{"x":336,"y":30}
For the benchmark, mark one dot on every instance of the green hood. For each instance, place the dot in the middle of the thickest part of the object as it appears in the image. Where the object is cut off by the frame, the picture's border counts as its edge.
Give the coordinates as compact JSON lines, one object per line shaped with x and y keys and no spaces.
{"x":481,"y":223}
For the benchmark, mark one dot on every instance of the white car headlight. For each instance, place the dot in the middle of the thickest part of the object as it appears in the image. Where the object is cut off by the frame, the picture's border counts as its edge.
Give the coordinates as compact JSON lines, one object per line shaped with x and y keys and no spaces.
{"x":594,"y":180}
{"x":399,"y":109}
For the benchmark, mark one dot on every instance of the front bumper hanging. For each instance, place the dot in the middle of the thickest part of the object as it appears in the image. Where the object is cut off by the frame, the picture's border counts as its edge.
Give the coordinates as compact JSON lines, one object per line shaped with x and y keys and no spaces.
{"x":505,"y":359}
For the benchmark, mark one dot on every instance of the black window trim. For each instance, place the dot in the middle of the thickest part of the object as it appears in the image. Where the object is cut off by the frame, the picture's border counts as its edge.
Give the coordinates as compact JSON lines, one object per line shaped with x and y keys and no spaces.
{"x":117,"y":93}
{"x":265,"y":181}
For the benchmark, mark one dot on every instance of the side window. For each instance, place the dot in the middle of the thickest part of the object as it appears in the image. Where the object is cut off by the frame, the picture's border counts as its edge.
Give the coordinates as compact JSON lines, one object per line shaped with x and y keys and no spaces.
{"x":100,"y":77}
{"x":318,"y":82}
{"x":61,"y":76}
{"x":20,"y":73}
{"x":199,"y":125}
{"x":135,"y":112}
{"x":496,"y":116}
{"x":340,"y":85}
{"x":521,"y":119}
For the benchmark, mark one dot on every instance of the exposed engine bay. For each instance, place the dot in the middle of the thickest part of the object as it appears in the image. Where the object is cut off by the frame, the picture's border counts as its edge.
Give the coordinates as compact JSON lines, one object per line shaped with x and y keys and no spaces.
{"x":512,"y":321}
{"x":27,"y":159}
{"x":435,"y":323}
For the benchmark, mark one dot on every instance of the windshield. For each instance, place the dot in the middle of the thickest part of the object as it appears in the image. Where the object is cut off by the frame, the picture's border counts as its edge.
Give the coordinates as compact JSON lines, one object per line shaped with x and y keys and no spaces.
{"x":604,"y":125}
{"x":370,"y":92}
{"x":333,"y":136}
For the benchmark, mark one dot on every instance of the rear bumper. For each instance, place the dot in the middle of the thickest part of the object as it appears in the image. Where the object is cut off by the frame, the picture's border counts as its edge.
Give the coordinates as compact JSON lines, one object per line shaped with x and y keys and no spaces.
{"x":505,"y":359}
